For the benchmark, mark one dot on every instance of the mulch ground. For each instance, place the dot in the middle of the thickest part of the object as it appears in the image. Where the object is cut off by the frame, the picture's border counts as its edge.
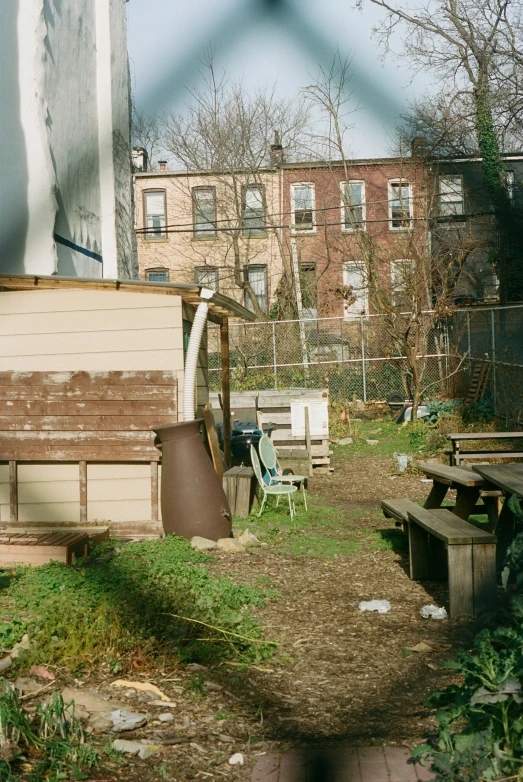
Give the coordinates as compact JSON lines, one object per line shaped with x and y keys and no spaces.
{"x":341,"y":677}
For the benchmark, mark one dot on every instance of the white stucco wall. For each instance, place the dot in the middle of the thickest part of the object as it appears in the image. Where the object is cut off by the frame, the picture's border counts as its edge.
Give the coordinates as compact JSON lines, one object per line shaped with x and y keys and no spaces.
{"x":65,"y":180}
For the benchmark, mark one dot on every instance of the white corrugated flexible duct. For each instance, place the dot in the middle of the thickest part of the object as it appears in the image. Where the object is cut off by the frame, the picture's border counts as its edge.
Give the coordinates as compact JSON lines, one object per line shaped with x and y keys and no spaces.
{"x":191,"y":359}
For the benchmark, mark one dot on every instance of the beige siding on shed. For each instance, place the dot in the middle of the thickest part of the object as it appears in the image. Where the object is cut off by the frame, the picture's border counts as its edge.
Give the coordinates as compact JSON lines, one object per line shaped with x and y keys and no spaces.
{"x":95,"y":331}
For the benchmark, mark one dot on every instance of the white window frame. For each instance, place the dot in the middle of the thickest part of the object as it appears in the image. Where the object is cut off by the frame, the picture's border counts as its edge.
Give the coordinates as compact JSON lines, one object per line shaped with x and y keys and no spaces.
{"x":207,"y":270}
{"x":249,"y":230}
{"x":446,"y":198}
{"x":198,"y":232}
{"x":510,"y":180}
{"x":303,"y":231}
{"x":394,"y":288}
{"x":348,"y":313}
{"x":402,"y":183}
{"x":152,"y":232}
{"x":362,"y":226}
{"x":259,"y":267}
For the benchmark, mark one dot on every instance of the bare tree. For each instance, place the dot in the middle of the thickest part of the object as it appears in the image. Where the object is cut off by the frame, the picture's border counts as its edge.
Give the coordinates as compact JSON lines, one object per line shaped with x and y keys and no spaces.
{"x":235,"y":138}
{"x":473,"y":48}
{"x":410,"y":285}
{"x":147,"y":132}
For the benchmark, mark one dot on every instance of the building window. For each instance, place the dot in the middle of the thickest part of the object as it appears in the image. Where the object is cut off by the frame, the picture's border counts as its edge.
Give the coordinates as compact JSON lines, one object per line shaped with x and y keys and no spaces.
{"x":402,"y":283}
{"x":509,"y":184}
{"x":154,"y":208}
{"x":207,"y":277}
{"x":257,"y":277}
{"x":354,"y":277}
{"x":253,"y":212}
{"x":302,"y":197}
{"x":309,"y":290}
{"x":204,"y":212}
{"x":352,"y":205}
{"x":400,"y":205}
{"x":157,"y":275}
{"x":451,"y":197}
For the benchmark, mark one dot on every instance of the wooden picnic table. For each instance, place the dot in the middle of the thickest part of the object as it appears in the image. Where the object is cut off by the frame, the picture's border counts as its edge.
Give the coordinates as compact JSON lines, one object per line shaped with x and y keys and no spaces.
{"x":457,"y":455}
{"x":509,"y":479}
{"x":469,"y":488}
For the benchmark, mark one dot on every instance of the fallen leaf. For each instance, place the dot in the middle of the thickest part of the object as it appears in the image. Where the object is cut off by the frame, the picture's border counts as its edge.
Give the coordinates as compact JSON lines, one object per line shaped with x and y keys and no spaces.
{"x":42,"y":672}
{"x":421,"y":648}
{"x":142,"y":686}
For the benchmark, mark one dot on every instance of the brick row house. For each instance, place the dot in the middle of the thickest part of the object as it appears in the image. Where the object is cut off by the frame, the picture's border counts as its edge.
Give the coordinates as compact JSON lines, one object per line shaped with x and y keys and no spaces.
{"x":329,"y":231}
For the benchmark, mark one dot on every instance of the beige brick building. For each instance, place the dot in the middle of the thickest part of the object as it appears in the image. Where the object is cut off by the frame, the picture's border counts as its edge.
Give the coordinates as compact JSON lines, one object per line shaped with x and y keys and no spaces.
{"x":214,"y":230}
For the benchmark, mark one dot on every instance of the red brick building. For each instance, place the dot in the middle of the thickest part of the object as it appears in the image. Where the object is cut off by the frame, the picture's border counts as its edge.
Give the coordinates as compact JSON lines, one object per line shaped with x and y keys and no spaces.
{"x":341,"y":214}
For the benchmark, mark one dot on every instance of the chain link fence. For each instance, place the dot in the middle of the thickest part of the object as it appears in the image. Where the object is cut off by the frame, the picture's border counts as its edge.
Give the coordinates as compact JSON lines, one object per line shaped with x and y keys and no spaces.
{"x":494,"y":336}
{"x":357,"y":357}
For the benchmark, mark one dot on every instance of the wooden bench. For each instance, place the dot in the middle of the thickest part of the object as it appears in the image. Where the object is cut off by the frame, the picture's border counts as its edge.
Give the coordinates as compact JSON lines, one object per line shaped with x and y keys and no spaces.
{"x":398,"y":509}
{"x":441,"y":545}
{"x":457,"y":455}
{"x":38,"y":548}
{"x":83,"y":417}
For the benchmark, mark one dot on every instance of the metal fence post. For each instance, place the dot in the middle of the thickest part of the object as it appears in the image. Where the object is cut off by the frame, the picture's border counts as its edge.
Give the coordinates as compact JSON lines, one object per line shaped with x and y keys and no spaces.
{"x":494,"y":384}
{"x":274,"y":354}
{"x":363,"y":361}
{"x":469,"y":351}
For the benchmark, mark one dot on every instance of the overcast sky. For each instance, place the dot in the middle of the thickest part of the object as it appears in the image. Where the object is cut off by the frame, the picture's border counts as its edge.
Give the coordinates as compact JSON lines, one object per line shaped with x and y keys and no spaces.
{"x":266,"y":42}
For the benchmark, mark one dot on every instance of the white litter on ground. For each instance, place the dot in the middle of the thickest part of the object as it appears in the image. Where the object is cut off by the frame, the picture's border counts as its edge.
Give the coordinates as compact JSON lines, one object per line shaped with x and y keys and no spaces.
{"x":433,"y":612}
{"x":381,"y":606}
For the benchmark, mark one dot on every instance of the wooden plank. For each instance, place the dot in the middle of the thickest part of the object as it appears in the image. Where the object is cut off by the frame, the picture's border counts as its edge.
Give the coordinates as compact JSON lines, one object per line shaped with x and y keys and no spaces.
{"x":508,"y":477}
{"x":82,"y":469}
{"x":212,"y":437}
{"x":451,"y":475}
{"x":466,"y":498}
{"x":308,"y":443}
{"x":484,"y":435}
{"x":461,"y":583}
{"x":243,"y":492}
{"x":82,"y":378}
{"x":398,"y":508}
{"x":66,"y":438}
{"x":485,"y":581}
{"x":79,"y":451}
{"x":13,"y":490}
{"x":154,"y":491}
{"x":59,"y":394}
{"x":316,"y":450}
{"x":84,"y":408}
{"x":476,"y":534}
{"x":285,"y":436}
{"x":92,"y":423}
{"x":419,"y":555}
{"x":226,"y":391}
{"x":430,"y":522}
{"x":436,"y":495}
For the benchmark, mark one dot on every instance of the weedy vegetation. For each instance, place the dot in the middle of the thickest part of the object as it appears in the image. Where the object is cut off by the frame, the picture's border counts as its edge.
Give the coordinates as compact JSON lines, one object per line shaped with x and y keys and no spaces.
{"x":480,"y":721}
{"x":47,"y":745}
{"x":156,"y":597}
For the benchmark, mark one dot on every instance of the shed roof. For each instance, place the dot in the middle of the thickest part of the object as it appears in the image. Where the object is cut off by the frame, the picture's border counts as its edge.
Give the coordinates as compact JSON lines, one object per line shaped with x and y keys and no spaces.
{"x":220,"y":307}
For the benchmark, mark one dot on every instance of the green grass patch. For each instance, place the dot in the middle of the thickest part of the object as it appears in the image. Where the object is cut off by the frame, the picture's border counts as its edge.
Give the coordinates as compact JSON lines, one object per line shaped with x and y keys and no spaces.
{"x":156,"y":596}
{"x":322,"y":532}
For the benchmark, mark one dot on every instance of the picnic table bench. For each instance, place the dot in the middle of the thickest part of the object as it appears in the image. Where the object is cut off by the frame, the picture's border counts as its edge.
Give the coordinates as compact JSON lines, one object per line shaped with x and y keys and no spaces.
{"x":441,"y":545}
{"x":457,"y":454}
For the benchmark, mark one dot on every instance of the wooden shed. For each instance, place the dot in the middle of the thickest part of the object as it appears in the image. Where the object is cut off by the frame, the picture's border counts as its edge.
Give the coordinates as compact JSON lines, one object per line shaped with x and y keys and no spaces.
{"x":87,"y":367}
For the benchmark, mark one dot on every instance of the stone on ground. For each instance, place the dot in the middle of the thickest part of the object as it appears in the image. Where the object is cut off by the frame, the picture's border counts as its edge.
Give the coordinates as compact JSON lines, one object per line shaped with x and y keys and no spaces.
{"x":345,"y":441}
{"x":248,"y":539}
{"x":231,"y":546}
{"x":202,"y":544}
{"x":139,"y":748}
{"x":123,"y":720}
{"x":166,"y":717}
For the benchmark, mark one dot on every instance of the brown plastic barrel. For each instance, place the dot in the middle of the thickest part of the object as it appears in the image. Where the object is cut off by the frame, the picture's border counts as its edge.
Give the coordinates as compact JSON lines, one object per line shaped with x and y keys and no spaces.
{"x":192,"y":498}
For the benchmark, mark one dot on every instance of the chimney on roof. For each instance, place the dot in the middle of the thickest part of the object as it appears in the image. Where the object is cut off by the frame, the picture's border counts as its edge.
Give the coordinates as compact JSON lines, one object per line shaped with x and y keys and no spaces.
{"x":276,"y":153}
{"x":139,"y":159}
{"x":419,"y":147}
{"x":163,"y":165}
